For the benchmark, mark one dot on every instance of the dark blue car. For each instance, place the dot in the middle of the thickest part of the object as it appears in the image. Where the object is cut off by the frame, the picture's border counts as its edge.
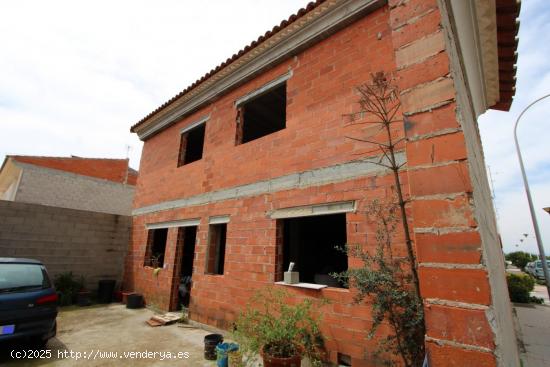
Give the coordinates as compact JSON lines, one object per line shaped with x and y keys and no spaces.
{"x":28,"y":301}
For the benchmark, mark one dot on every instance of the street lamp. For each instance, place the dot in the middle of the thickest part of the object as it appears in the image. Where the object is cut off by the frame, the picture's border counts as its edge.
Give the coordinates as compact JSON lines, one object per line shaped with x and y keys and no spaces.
{"x":530,"y":201}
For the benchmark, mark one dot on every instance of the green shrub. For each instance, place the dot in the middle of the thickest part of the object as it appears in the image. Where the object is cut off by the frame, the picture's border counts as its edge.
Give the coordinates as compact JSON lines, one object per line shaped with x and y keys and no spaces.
{"x":519,"y":286}
{"x":273,"y":326}
{"x":68,"y":287}
{"x":520,"y":258}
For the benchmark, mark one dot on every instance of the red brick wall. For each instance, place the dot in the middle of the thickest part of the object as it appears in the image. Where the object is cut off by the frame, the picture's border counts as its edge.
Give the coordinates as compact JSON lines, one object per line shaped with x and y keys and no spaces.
{"x":454,"y":281}
{"x":404,"y":38}
{"x":251,"y":260}
{"x":319,"y":92}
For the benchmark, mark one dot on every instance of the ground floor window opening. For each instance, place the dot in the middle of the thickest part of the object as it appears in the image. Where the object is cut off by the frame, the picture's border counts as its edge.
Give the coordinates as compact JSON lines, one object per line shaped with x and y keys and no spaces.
{"x":312,"y":243}
{"x":156,"y":247}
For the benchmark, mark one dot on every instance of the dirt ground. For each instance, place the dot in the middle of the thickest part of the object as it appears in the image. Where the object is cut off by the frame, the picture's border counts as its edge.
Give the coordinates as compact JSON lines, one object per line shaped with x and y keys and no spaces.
{"x":107,"y":336}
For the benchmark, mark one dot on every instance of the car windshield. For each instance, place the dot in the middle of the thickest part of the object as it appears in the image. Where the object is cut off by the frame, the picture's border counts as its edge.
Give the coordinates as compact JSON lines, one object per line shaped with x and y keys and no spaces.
{"x":539,"y":263}
{"x":17,"y":277}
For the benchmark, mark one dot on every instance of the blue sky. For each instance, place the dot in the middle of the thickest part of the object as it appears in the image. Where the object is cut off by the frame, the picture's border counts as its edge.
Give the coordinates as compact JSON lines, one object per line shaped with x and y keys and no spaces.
{"x":76,"y":75}
{"x":496,"y":128}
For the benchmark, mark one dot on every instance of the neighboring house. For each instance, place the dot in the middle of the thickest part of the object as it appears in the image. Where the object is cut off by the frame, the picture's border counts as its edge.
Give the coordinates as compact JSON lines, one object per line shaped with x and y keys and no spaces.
{"x":251,"y":167}
{"x":94,"y":184}
{"x":70,"y":213}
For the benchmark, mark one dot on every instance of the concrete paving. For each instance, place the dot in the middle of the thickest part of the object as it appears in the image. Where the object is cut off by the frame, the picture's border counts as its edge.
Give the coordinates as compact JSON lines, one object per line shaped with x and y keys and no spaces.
{"x":107,"y":336}
{"x":534,"y":334}
{"x":540,"y":291}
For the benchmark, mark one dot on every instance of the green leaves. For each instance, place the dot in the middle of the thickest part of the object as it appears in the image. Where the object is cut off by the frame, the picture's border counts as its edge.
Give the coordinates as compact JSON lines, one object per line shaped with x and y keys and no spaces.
{"x":272,"y":324}
{"x":520,"y":258}
{"x":68,"y":285}
{"x":382,"y":279}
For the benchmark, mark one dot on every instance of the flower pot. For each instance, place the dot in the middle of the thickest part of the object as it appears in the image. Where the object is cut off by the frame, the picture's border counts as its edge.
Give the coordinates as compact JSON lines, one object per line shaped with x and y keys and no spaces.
{"x":83,"y":298}
{"x":270,"y":361}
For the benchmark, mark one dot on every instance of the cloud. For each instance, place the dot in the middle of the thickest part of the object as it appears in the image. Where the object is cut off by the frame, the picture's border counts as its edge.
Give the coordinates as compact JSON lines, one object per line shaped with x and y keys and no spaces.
{"x":77,"y":75}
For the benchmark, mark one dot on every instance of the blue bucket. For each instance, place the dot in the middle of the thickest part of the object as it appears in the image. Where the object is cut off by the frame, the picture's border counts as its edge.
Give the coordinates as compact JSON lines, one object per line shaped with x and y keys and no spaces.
{"x":221,"y":351}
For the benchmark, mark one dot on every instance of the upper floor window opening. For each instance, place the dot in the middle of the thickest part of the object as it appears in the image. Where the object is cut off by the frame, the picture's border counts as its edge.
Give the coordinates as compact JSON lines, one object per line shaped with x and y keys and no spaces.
{"x":192,"y":143}
{"x":262,"y":114}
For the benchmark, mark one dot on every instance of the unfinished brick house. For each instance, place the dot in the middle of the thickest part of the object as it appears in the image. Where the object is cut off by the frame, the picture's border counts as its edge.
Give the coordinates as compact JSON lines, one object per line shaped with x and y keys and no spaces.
{"x":250,"y":167}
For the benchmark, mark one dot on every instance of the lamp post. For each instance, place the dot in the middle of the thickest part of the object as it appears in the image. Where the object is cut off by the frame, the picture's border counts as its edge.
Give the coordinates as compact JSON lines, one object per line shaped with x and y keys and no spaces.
{"x":530,"y":200}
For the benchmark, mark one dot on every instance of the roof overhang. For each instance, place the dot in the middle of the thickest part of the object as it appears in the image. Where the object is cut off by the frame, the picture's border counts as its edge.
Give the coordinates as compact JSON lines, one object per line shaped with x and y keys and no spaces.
{"x":323,"y":20}
{"x":486,"y":35}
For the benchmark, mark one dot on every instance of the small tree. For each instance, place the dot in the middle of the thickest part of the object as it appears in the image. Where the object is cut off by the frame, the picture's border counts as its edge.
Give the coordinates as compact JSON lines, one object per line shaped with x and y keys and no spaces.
{"x":383,"y":276}
{"x":391,"y":281}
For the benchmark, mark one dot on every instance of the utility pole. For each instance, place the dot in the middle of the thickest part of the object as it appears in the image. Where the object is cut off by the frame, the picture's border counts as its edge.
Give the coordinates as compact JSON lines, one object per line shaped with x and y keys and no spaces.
{"x":542,"y":255}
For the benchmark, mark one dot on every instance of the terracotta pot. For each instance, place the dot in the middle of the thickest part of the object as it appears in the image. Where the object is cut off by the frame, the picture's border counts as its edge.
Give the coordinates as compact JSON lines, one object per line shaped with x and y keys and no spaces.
{"x":270,"y":361}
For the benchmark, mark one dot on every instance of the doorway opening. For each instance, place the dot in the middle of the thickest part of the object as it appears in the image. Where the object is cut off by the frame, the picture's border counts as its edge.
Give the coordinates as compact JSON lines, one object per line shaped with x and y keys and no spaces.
{"x":183,"y":268}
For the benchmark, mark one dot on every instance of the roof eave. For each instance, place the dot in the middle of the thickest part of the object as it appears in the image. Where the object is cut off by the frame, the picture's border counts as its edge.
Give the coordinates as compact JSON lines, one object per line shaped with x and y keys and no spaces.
{"x":507,"y":14}
{"x":323,"y":20}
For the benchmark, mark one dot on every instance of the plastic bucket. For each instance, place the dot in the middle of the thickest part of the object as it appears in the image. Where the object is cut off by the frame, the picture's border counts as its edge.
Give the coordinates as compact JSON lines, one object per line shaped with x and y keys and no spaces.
{"x":210,"y":343}
{"x":135,"y":300}
{"x":105,"y":291}
{"x":222,"y":350}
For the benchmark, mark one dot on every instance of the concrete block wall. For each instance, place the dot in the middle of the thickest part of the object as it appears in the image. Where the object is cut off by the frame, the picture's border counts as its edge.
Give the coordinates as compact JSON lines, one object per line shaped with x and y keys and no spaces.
{"x":57,"y":188}
{"x":87,"y":243}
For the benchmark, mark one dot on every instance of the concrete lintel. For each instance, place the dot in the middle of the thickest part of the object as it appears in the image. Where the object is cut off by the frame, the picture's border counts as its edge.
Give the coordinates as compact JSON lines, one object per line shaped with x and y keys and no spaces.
{"x":312,"y":210}
{"x":175,"y":223}
{"x":263,"y":89}
{"x":218,"y":219}
{"x":317,"y":177}
{"x":193,"y":125}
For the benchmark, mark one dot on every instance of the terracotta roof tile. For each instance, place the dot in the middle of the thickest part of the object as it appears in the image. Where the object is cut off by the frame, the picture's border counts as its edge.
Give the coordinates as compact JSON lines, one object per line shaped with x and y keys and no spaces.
{"x":507,"y":13}
{"x":507,"y":31}
{"x":233,"y":58}
{"x":107,"y":169}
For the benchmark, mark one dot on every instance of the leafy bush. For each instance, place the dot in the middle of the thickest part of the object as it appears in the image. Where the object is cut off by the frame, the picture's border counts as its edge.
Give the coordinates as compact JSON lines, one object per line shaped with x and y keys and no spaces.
{"x":383,"y":281}
{"x":272,"y":326}
{"x":519,"y":286}
{"x":68,"y":286}
{"x":519,"y":258}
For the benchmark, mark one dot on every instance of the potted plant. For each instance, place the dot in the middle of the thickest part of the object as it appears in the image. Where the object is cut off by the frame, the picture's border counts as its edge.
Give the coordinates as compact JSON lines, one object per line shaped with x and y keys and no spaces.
{"x":84,"y":295}
{"x":155,"y":261}
{"x":280,"y":331}
{"x":68,"y":286}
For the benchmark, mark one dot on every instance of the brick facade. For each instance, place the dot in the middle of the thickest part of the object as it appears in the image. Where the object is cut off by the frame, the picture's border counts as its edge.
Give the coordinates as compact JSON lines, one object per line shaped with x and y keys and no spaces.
{"x":314,"y":159}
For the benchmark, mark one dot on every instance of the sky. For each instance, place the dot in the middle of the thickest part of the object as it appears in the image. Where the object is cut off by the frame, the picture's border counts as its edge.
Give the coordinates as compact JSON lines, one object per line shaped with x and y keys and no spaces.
{"x":497,"y":135}
{"x":76,"y":75}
